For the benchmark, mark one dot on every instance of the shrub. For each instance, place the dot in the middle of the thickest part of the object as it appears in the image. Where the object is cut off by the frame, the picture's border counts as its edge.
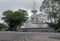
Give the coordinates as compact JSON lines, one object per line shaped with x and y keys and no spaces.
{"x":58,"y":30}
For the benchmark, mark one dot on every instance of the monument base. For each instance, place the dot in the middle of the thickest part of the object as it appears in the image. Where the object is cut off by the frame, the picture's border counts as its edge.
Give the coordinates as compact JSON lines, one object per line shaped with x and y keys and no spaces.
{"x":36,"y":30}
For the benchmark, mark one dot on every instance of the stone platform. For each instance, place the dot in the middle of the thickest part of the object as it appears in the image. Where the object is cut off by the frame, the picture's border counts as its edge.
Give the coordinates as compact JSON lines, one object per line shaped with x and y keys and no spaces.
{"x":36,"y":30}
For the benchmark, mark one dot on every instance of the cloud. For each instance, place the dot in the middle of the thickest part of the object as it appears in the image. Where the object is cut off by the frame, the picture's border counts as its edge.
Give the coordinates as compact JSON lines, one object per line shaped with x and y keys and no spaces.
{"x":15,"y":4}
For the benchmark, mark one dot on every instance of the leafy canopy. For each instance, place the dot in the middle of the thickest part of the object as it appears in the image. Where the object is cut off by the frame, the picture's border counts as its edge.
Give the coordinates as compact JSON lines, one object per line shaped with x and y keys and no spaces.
{"x":16,"y":18}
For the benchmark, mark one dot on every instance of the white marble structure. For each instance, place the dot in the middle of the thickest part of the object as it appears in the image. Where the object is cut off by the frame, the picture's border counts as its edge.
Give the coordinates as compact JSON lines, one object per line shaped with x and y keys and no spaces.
{"x":35,"y":21}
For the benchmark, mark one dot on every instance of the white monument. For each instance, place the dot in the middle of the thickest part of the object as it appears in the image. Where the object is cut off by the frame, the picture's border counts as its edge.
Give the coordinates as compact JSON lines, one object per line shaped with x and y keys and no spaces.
{"x":36,"y":20}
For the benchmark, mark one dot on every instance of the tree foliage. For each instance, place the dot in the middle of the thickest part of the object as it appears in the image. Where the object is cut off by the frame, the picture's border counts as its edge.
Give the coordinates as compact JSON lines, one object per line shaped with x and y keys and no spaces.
{"x":3,"y":27}
{"x":52,"y":8}
{"x":16,"y":18}
{"x":57,"y":1}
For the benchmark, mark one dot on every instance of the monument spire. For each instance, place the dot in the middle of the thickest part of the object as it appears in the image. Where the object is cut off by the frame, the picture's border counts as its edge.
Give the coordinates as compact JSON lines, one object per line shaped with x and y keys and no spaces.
{"x":34,"y":11}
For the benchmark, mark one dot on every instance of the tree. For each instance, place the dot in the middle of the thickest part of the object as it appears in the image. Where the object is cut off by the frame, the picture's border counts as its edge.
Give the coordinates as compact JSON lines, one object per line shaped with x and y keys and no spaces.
{"x":52,"y":8}
{"x":3,"y":27}
{"x":57,"y":1}
{"x":58,"y":23}
{"x":14,"y":19}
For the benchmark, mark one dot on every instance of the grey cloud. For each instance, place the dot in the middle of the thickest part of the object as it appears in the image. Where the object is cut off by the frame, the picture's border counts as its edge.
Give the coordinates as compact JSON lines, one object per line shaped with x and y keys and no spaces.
{"x":14,"y":4}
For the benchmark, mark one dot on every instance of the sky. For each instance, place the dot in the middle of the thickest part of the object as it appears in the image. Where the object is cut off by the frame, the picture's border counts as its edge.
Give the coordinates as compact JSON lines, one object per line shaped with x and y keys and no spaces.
{"x":18,"y":4}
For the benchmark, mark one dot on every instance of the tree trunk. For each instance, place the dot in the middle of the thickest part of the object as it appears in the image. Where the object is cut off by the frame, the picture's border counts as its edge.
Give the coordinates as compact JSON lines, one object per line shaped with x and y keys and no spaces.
{"x":15,"y":28}
{"x":11,"y":27}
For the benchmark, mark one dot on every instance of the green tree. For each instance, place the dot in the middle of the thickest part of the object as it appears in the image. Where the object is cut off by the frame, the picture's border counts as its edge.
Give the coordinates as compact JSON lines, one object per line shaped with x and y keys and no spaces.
{"x":52,"y":8}
{"x":3,"y":27}
{"x":57,"y":1}
{"x":58,"y":23}
{"x":14,"y":19}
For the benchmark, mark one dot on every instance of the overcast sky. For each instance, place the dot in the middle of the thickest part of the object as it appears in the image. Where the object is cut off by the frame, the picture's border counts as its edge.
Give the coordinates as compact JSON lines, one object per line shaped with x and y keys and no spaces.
{"x":18,"y":4}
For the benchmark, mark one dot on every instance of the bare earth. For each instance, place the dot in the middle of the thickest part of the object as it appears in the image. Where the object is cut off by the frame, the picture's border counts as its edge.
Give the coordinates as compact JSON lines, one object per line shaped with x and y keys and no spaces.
{"x":29,"y":36}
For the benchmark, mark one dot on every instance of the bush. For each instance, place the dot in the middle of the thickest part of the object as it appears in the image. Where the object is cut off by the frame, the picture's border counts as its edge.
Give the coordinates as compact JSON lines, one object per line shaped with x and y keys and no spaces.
{"x":58,"y":30}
